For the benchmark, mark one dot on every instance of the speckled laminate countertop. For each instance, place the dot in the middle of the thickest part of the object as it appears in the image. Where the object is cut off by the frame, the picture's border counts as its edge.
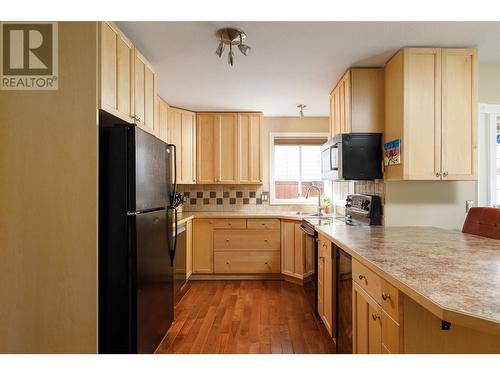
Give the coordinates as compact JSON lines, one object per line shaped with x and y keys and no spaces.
{"x":292,"y":215}
{"x":454,"y":275}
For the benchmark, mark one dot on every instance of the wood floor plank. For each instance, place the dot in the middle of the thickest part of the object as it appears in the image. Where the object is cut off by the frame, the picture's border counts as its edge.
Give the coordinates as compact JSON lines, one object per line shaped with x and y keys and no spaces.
{"x":247,"y":317}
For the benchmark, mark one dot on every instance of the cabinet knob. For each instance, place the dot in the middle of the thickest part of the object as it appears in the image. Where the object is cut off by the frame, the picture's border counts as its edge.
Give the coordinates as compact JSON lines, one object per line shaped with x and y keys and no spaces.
{"x":361,"y":277}
{"x":438,"y":174}
{"x":385,"y":296}
{"x":227,"y":239}
{"x":227,"y":262}
{"x":265,"y":240}
{"x":266,"y":263}
{"x":375,"y":317}
{"x":445,"y":174}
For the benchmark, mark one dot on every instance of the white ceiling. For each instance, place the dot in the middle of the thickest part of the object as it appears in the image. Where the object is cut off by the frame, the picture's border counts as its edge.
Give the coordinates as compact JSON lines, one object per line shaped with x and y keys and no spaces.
{"x":290,"y":62}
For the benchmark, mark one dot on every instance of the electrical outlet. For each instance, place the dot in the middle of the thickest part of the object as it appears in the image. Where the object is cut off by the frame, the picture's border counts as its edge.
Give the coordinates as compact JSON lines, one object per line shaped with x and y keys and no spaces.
{"x":264,"y":196}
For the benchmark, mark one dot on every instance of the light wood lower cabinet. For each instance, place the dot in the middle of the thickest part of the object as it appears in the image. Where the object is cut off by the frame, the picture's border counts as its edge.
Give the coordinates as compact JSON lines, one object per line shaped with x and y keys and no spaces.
{"x":203,"y":252}
{"x":189,"y":248}
{"x":233,"y":246}
{"x":325,"y":284}
{"x":292,"y":249}
{"x":366,"y":323}
{"x":377,"y":313}
{"x":247,"y":261}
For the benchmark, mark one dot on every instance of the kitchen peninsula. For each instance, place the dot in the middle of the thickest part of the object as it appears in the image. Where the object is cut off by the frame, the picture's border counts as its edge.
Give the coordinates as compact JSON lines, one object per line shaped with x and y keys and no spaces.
{"x":443,"y":284}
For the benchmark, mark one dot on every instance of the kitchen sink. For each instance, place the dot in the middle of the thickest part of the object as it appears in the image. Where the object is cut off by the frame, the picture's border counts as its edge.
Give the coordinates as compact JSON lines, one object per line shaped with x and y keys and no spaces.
{"x":311,"y":214}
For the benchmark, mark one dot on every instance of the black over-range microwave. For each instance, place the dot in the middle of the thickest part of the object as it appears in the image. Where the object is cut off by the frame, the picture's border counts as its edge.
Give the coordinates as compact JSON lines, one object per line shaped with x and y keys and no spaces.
{"x":352,"y":156}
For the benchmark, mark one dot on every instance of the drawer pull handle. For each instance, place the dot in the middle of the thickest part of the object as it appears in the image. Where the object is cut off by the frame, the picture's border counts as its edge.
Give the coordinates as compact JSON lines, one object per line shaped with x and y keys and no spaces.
{"x":265,"y":262}
{"x":229,"y":224}
{"x":375,"y":317}
{"x":227,"y":262}
{"x":361,"y":277}
{"x":385,"y":296}
{"x":266,"y":240}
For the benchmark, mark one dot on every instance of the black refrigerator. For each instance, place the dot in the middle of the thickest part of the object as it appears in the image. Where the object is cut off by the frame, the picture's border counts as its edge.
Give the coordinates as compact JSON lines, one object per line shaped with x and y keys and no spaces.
{"x":137,"y":226}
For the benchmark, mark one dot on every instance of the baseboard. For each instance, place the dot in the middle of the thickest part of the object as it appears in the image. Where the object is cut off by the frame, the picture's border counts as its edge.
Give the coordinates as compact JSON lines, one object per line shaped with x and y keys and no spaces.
{"x":263,"y":276}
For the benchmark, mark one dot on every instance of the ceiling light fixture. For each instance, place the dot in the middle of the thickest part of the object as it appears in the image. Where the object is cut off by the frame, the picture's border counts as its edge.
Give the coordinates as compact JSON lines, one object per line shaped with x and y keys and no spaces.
{"x":232,"y":37}
{"x":301,"y":112}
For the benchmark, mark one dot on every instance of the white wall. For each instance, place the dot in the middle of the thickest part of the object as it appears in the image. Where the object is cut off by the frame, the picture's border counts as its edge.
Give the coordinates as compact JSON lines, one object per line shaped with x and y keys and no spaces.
{"x":427,"y":203}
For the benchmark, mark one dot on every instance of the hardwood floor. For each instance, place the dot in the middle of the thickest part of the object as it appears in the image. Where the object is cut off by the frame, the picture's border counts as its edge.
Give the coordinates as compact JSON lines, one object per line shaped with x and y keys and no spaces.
{"x":245,"y":317}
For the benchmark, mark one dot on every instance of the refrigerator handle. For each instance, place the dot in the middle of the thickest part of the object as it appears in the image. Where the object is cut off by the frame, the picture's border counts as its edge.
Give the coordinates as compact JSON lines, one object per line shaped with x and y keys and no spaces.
{"x":174,"y":186}
{"x":171,"y":251}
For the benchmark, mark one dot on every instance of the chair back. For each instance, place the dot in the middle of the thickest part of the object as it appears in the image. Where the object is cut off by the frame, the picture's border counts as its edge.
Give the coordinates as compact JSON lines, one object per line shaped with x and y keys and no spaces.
{"x":483,"y":221}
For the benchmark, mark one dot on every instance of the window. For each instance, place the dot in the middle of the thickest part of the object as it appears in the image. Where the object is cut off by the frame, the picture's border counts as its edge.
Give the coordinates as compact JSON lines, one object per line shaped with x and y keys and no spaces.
{"x":295,"y":167}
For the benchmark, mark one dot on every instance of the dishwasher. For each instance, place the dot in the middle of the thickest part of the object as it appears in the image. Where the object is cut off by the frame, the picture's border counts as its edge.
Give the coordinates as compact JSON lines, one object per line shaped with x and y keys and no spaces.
{"x":180,"y":262}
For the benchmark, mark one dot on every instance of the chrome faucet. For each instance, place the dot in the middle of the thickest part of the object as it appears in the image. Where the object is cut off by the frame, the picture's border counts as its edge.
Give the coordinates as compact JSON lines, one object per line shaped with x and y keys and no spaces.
{"x":319,"y":197}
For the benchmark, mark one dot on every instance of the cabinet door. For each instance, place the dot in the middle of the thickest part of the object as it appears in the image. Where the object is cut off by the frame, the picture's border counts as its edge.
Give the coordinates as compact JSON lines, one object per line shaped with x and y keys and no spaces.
{"x":298,"y":251}
{"x":175,"y":138}
{"x":336,"y":112}
{"x":366,"y":323}
{"x":163,"y":120}
{"x":249,"y":145}
{"x":144,"y":94}
{"x":288,"y":247}
{"x":342,"y":106}
{"x":459,"y":118}
{"x":108,"y":67}
{"x":116,"y":58}
{"x":187,"y":152}
{"x":189,"y":248}
{"x":203,"y":253}
{"x":321,"y":282}
{"x":422,"y":131}
{"x":227,"y":153}
{"x":206,"y":144}
{"x":332,"y":115}
{"x":328,"y":288}
{"x":347,"y":103}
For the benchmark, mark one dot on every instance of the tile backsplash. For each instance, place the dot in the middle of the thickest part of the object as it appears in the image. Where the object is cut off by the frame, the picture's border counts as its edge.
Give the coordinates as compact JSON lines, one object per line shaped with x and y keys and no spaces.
{"x":230,"y":198}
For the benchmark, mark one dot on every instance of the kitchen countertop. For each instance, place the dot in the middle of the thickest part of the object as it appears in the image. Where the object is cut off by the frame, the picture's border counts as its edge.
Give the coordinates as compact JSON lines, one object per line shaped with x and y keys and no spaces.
{"x":454,"y":275}
{"x":292,"y":215}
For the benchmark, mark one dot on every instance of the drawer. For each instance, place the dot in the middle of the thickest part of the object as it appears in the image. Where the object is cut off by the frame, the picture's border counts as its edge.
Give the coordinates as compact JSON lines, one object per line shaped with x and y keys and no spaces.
{"x":390,"y":334}
{"x":229,"y":223}
{"x":390,"y":300}
{"x":367,"y":279}
{"x":263,"y":224}
{"x":247,"y":239}
{"x":247,"y":262}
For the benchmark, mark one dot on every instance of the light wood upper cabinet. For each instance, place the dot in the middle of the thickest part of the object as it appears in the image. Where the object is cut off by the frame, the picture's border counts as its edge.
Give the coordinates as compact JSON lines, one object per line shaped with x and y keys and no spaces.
{"x":430,"y":105}
{"x":250,"y":149}
{"x":116,"y":68}
{"x":326,"y":284}
{"x":356,"y":102}
{"x":227,"y":151}
{"x":459,"y":113}
{"x":206,"y":145}
{"x":229,"y":148}
{"x":182,"y":133}
{"x":144,"y":94}
{"x":163,"y":112}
